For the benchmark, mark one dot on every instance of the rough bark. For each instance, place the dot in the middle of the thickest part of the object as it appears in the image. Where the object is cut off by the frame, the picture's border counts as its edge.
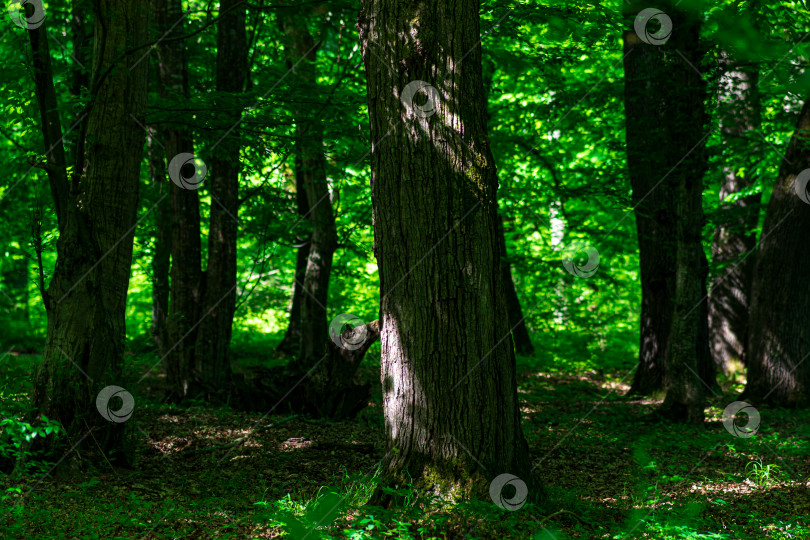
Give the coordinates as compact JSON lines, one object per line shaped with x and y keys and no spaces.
{"x":517,"y":322}
{"x":452,"y":417}
{"x":659,"y":109}
{"x":86,"y":297}
{"x":734,"y":235}
{"x":779,"y":339}
{"x":301,"y":52}
{"x":212,"y":355}
{"x":186,"y":274}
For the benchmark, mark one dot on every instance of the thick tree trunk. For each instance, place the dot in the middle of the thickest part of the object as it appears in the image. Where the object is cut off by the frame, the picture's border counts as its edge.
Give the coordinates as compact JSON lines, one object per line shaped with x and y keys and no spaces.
{"x":448,"y":370}
{"x":214,"y":338}
{"x":734,"y":236}
{"x":664,"y":97}
{"x":779,"y":339}
{"x":86,"y":298}
{"x":658,"y":110}
{"x":517,"y":322}
{"x":186,"y":275}
{"x":311,"y":168}
{"x":291,"y":343}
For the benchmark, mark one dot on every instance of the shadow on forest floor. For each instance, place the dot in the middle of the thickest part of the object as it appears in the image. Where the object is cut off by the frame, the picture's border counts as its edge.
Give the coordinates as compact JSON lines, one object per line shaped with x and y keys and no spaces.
{"x":610,"y":473}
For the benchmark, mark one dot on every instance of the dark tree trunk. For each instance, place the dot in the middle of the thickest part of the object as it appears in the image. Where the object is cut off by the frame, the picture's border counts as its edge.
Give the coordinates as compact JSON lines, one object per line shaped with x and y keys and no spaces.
{"x":162,"y":254}
{"x":664,"y":96}
{"x":517,"y":322}
{"x":214,"y":338}
{"x":779,"y":339}
{"x":86,"y":298}
{"x":311,"y":169}
{"x":186,"y":275}
{"x":448,"y":370}
{"x":291,"y":343}
{"x":734,"y":236}
{"x":658,"y":110}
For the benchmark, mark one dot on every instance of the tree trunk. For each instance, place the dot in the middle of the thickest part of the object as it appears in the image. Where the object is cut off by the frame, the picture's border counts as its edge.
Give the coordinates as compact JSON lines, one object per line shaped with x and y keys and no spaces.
{"x":452,"y":417}
{"x":186,"y":276}
{"x":734,"y":236}
{"x":517,"y":322}
{"x":291,"y":343}
{"x":214,"y":338}
{"x":162,"y":251}
{"x":779,"y":339}
{"x":664,"y":96}
{"x":655,"y":112}
{"x":311,"y":168}
{"x":86,"y":298}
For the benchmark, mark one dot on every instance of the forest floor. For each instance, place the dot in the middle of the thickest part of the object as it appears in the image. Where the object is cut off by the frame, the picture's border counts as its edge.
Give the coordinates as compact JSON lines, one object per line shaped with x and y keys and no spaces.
{"x":609,"y":470}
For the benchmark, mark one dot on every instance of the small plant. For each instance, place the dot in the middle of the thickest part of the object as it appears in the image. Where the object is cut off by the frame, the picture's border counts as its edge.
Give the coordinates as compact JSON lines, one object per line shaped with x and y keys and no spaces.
{"x":763,"y":475}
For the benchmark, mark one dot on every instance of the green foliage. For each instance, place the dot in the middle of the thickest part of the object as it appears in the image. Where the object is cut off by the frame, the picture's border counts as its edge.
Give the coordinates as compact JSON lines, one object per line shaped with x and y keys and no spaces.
{"x":763,"y":475}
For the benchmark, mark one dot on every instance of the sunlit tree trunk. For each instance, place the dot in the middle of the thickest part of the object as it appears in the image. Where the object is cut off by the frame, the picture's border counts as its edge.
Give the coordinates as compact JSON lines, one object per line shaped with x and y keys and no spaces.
{"x":734,"y":236}
{"x":779,"y":339}
{"x":86,"y":298}
{"x":452,"y":417}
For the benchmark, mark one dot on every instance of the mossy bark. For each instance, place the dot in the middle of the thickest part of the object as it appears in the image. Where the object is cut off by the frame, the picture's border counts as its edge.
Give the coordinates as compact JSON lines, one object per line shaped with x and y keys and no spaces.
{"x":452,"y":417}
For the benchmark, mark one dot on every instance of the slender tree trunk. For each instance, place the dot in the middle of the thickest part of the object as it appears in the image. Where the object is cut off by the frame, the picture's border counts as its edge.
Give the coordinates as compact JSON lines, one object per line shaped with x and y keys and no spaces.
{"x":311,"y":168}
{"x":779,"y":339}
{"x":86,"y":298}
{"x":291,"y":343}
{"x":517,"y":322}
{"x":162,"y":255}
{"x":734,"y":236}
{"x":214,"y":338}
{"x":655,"y":112}
{"x":452,"y":417}
{"x":186,"y":275}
